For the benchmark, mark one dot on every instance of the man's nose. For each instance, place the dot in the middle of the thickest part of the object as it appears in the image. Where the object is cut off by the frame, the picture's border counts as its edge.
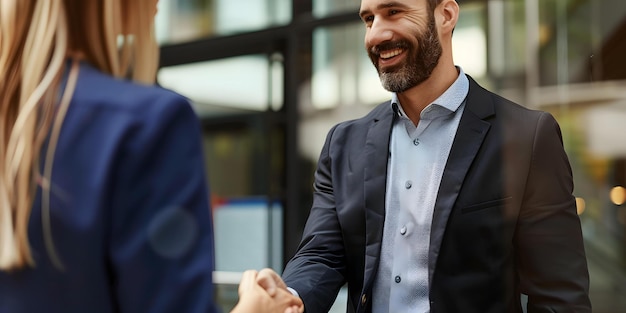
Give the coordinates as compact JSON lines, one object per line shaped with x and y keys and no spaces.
{"x":377,"y":33}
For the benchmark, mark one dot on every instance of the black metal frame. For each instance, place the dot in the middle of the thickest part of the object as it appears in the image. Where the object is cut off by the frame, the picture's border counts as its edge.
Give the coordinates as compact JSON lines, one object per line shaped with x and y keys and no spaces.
{"x":293,"y":42}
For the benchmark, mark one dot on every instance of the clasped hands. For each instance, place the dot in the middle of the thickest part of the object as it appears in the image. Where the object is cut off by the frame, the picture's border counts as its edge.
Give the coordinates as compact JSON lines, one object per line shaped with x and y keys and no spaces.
{"x":265,"y":292}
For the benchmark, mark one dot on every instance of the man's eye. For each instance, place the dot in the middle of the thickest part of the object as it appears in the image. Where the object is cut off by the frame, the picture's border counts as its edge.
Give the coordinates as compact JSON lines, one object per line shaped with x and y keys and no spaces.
{"x":392,"y":12}
{"x":368,"y":20}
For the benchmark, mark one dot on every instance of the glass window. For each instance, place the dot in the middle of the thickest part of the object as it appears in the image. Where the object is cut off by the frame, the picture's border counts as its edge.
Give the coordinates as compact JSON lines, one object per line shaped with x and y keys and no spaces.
{"x":469,"y":41}
{"x":507,"y":35}
{"x":342,"y":72}
{"x":244,"y":163}
{"x":185,"y":20}
{"x":323,"y":8}
{"x":244,"y":152}
{"x":234,"y":85}
{"x":579,"y":42}
{"x":344,"y":85}
{"x":245,"y":166}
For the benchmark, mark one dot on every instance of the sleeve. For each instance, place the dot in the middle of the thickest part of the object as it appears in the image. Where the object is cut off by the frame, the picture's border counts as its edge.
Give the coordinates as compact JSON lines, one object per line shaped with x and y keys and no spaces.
{"x":161,"y":242}
{"x":551,"y":256}
{"x":317,"y":271}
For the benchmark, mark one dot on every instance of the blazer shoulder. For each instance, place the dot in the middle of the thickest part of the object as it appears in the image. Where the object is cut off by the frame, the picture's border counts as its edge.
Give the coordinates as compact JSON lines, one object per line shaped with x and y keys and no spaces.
{"x":101,"y":92}
{"x":123,"y":113}
{"x":485,"y":103}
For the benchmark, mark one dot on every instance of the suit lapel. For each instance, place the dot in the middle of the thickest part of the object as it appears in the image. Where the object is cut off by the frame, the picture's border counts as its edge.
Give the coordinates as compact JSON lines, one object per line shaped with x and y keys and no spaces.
{"x":469,"y":137}
{"x":375,"y":177}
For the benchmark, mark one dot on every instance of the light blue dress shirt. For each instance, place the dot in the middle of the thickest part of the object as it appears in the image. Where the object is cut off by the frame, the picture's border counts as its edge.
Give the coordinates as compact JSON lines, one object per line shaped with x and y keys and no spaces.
{"x":417,"y":159}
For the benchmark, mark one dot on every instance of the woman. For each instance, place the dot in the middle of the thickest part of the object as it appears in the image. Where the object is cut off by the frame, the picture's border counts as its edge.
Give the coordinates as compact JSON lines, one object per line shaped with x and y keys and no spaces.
{"x":103,"y":199}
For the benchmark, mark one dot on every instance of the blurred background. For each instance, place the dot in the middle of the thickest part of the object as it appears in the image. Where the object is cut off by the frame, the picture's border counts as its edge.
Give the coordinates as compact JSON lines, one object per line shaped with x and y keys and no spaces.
{"x":268,"y":79}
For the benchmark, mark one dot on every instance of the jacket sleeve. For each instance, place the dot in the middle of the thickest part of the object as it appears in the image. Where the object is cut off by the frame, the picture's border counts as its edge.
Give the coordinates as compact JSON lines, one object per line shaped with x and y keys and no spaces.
{"x":161,"y":242}
{"x":317,"y":271}
{"x":550,"y":253}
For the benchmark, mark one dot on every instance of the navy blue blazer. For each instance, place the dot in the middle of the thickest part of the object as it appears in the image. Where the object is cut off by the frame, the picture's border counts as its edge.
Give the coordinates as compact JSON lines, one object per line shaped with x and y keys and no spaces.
{"x":130,"y":215}
{"x":504,"y":221}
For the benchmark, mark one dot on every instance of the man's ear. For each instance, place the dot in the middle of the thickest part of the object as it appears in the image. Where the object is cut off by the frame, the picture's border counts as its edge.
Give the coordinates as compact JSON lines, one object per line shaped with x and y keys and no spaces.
{"x":447,"y":13}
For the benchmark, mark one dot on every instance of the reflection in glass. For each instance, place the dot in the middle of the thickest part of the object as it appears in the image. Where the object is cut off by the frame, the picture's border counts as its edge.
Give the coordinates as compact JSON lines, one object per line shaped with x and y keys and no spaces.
{"x":581,"y":40}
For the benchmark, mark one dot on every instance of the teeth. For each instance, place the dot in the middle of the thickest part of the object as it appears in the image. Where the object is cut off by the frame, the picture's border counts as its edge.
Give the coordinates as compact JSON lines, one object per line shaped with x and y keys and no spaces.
{"x":390,"y":54}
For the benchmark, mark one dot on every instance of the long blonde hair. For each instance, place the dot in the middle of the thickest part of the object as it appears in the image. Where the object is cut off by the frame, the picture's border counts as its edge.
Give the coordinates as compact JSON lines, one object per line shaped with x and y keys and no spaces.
{"x":36,"y":39}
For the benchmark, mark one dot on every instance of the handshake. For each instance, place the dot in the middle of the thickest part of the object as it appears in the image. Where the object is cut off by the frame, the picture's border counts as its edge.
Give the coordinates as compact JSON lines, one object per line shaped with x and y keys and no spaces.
{"x":265,"y":292}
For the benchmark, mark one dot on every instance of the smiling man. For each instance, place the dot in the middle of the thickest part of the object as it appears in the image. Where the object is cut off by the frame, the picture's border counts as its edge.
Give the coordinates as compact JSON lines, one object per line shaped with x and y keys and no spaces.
{"x":447,"y":198}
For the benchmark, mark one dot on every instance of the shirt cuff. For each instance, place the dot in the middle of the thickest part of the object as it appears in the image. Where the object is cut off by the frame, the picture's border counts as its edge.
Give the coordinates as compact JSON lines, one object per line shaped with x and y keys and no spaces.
{"x":293,"y":292}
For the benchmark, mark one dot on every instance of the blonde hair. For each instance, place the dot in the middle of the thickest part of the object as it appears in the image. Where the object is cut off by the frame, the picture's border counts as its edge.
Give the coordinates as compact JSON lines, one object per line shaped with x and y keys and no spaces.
{"x":36,"y":39}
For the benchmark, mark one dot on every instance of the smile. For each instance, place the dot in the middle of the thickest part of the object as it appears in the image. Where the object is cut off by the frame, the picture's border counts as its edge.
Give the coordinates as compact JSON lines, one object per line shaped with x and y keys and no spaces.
{"x":390,"y":53}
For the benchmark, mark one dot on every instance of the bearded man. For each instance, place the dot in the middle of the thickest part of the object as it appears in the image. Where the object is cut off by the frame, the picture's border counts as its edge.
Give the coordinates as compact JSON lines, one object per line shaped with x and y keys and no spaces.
{"x":447,"y":198}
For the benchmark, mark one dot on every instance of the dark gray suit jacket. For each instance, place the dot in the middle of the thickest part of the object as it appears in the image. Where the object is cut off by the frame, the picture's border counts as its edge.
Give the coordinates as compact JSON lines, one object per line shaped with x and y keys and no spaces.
{"x":504,"y":223}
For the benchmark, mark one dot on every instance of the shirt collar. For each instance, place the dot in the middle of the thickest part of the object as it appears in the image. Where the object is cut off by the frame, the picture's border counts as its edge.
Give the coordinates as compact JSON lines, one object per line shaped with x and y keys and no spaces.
{"x":451,"y":99}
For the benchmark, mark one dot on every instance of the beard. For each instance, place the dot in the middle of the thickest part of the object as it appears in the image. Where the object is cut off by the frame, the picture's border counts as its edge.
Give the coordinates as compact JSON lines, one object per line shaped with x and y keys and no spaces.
{"x":417,"y":67}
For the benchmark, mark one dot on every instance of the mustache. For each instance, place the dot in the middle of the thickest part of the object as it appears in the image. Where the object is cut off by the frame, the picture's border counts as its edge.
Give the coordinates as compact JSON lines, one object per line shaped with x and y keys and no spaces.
{"x":389,"y":45}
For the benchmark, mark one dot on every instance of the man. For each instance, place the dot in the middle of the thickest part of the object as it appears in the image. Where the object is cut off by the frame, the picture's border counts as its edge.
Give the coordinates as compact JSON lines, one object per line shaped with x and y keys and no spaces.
{"x":448,"y":198}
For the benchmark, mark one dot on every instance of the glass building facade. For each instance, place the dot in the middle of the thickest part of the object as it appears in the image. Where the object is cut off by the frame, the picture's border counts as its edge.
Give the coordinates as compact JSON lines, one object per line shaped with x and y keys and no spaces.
{"x":269,"y":78}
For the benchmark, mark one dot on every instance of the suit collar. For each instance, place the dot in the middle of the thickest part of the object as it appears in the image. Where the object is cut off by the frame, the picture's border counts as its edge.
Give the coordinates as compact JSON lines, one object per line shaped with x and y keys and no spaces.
{"x":450,"y":100}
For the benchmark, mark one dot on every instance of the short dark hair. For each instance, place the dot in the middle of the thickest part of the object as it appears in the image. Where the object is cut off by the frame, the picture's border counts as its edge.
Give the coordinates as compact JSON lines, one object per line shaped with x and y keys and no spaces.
{"x":432,"y":4}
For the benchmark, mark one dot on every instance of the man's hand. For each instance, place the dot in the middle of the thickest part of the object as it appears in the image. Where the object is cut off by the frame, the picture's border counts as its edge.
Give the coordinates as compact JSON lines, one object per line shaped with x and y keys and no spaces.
{"x":270,"y":280}
{"x":265,"y":292}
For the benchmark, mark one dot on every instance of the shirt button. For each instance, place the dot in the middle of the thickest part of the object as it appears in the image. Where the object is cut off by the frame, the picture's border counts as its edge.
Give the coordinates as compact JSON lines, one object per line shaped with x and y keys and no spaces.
{"x":416,"y":141}
{"x":363,"y":299}
{"x":403,"y":230}
{"x":408,"y":184}
{"x":398,"y":279}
